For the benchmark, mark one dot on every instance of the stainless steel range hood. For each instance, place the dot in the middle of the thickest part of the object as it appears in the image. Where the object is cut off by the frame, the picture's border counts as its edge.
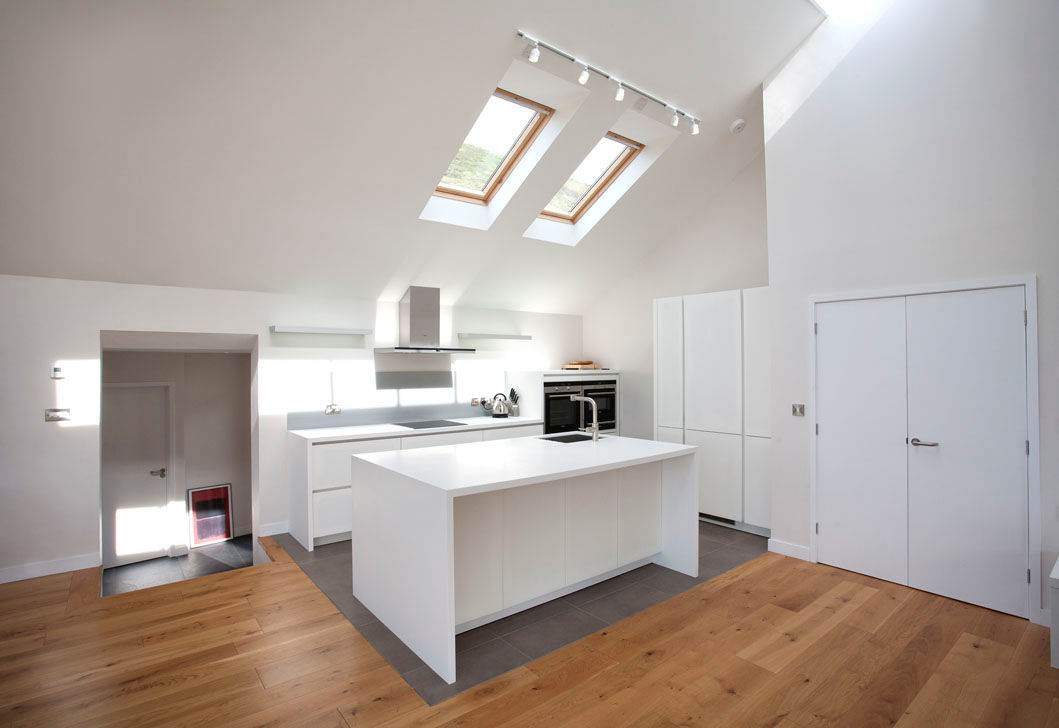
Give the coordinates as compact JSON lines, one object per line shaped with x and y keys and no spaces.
{"x":419,"y":330}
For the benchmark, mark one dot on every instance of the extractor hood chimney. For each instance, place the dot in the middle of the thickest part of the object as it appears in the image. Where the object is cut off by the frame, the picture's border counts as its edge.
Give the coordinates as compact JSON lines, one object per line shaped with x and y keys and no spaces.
{"x":419,"y":327}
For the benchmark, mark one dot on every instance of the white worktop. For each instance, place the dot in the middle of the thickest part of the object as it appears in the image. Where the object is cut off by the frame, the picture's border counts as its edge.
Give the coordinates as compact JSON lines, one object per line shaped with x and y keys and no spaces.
{"x":372,"y":432}
{"x":478,"y":467}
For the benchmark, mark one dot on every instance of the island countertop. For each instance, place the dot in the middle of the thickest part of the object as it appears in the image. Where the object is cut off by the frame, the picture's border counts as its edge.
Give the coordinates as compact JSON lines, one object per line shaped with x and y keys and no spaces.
{"x":479,"y":467}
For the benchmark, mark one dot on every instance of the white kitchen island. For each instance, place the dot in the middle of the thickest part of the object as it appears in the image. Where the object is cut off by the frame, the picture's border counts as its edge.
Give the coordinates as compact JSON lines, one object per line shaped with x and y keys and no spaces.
{"x":451,"y":537}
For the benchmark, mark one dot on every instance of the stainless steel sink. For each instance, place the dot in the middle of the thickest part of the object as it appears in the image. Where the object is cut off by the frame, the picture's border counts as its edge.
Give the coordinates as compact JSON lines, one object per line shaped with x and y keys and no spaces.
{"x":572,"y":437}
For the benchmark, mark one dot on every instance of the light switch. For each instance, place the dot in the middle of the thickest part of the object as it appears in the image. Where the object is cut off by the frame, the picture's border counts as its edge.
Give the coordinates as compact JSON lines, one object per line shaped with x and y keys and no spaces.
{"x":798,"y":410}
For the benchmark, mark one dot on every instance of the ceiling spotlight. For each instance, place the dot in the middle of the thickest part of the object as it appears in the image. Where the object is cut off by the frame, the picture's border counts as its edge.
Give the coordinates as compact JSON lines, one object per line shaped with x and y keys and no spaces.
{"x":583,"y":77}
{"x":619,"y":94}
{"x":535,"y":52}
{"x":694,"y":127}
{"x":675,"y":121}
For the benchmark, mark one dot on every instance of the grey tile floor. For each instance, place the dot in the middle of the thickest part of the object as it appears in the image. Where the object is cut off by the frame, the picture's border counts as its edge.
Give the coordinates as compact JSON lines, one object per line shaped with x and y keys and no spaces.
{"x":495,"y":648}
{"x":212,"y":559}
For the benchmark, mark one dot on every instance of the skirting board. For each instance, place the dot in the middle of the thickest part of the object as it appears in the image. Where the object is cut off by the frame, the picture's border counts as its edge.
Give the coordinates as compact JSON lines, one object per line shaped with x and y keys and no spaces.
{"x":271,"y":529}
{"x":789,"y":549}
{"x":46,"y":568}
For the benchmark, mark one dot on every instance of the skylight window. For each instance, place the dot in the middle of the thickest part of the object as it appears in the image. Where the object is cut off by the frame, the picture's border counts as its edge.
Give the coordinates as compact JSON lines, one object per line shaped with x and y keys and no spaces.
{"x":611,"y":155}
{"x":504,"y":130}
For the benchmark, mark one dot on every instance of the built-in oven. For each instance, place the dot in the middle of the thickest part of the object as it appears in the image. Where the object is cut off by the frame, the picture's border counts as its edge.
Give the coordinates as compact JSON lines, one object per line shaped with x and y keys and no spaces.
{"x":605,"y":393}
{"x":561,"y":414}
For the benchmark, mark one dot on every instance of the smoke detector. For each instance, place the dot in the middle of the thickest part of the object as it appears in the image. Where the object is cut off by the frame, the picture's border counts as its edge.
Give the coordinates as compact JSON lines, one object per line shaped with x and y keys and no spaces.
{"x":737,"y":126}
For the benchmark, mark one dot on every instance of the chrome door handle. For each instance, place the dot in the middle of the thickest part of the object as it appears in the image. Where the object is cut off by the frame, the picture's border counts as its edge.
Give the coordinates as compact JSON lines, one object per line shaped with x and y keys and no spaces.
{"x":160,"y":472}
{"x":919,"y":443}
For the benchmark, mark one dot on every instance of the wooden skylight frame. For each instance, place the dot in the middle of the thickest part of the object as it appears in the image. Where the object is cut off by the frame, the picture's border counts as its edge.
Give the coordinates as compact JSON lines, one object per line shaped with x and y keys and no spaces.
{"x":632,"y":148}
{"x":514,"y":155}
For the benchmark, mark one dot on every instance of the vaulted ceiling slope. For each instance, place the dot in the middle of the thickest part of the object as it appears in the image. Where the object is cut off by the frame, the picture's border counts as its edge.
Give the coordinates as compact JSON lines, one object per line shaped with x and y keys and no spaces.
{"x":279,"y":146}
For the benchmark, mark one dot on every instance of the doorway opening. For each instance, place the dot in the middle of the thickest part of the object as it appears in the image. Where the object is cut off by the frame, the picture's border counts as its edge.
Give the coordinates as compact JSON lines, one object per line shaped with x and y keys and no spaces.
{"x":175,"y":458}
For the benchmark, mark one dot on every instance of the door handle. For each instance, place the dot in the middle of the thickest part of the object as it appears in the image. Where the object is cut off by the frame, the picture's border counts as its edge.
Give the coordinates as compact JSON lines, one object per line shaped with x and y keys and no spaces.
{"x":919,"y":443}
{"x":160,"y":472}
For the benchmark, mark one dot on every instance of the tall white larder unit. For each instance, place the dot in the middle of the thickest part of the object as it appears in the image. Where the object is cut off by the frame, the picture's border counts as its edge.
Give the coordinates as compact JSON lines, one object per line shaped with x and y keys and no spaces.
{"x":712,"y":353}
{"x":922,"y":462}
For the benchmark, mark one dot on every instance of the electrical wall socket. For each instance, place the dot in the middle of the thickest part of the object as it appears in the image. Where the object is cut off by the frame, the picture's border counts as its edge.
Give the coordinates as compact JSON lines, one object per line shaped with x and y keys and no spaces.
{"x":798,"y":410}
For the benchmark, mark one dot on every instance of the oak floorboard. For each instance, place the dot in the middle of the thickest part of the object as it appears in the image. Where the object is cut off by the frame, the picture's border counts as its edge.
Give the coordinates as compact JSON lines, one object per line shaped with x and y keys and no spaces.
{"x":775,"y":642}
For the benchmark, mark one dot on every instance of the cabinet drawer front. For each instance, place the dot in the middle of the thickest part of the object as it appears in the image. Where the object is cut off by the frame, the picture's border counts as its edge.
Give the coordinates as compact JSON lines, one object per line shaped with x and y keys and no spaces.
{"x":506,"y":433}
{"x":332,"y":512}
{"x":331,"y":466}
{"x":443,"y":438}
{"x":478,"y":546}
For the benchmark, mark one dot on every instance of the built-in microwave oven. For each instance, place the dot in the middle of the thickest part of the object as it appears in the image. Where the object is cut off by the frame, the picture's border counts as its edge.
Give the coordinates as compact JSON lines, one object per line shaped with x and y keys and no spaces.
{"x":561,"y":414}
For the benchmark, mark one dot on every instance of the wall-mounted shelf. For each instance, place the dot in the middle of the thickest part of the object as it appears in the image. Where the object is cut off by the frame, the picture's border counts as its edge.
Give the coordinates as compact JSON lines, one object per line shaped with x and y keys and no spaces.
{"x":512,"y":337}
{"x":318,"y":330}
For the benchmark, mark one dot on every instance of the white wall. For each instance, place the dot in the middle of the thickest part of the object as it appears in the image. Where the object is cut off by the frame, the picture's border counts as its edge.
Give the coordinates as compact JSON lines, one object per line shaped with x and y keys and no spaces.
{"x":49,"y":472}
{"x":928,"y":156}
{"x":723,"y":247}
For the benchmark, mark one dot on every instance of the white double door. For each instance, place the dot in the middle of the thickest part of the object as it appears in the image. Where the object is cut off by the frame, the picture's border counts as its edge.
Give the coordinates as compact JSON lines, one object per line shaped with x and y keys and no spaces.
{"x":922,"y":446}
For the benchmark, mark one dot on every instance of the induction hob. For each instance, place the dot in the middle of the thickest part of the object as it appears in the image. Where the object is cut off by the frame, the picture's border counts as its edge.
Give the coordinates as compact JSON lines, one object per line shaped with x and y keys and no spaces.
{"x":424,"y":424}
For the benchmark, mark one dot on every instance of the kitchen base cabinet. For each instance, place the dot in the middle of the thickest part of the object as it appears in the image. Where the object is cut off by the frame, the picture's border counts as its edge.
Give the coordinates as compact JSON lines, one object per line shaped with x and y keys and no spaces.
{"x":442,"y":438}
{"x":639,"y":512}
{"x":720,"y":462}
{"x":506,"y":433}
{"x":332,"y":512}
{"x":318,"y":470}
{"x":478,"y":531}
{"x":591,"y":525}
{"x":533,"y":543}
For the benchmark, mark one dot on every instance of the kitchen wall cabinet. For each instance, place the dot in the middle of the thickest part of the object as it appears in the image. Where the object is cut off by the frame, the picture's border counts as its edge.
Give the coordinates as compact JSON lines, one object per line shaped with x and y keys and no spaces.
{"x":712,"y":355}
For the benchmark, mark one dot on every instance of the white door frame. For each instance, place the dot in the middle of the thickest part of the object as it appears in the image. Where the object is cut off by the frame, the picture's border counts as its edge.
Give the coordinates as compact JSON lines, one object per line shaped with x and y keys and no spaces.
{"x":1033,"y":425}
{"x":172,"y":548}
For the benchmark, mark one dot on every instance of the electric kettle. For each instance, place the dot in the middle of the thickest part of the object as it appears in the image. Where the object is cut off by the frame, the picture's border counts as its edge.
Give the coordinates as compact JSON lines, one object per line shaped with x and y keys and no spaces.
{"x":500,"y":406}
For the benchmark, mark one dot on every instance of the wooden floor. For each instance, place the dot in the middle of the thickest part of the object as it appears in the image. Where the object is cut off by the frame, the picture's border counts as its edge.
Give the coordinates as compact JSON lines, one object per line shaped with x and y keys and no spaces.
{"x":775,"y":642}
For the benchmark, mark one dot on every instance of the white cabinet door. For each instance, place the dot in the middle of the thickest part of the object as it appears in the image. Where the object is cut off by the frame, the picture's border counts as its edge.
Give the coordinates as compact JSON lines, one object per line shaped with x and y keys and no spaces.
{"x":331,"y":461}
{"x":967,"y":498}
{"x":505,"y":433}
{"x":669,"y":362}
{"x":757,"y":489}
{"x":861,"y":456}
{"x":443,"y":438}
{"x":332,"y":512}
{"x":534,"y":530}
{"x":757,"y":362}
{"x":478,"y":540}
{"x":713,"y":362}
{"x":639,"y":512}
{"x":591,"y":525}
{"x":669,"y":434}
{"x":720,"y":462}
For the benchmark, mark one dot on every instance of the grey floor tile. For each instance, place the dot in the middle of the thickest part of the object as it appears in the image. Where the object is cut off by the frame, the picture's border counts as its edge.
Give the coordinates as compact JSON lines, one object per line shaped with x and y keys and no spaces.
{"x":724,"y":559}
{"x":141,"y":575}
{"x":531,"y":615}
{"x":387,"y":644}
{"x":607,"y":587}
{"x":473,"y":666}
{"x":673,"y":582}
{"x":732,"y":537}
{"x":474,"y":637}
{"x":624,"y":603}
{"x":554,"y":632}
